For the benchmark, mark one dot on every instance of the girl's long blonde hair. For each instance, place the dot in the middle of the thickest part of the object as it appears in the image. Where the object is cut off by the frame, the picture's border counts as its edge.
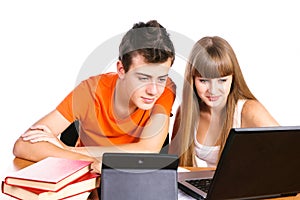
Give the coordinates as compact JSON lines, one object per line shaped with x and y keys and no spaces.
{"x":211,"y":57}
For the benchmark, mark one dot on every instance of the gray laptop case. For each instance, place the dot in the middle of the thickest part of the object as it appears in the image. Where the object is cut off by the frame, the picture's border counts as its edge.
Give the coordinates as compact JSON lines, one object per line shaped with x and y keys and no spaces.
{"x":135,"y":176}
{"x":256,"y":163}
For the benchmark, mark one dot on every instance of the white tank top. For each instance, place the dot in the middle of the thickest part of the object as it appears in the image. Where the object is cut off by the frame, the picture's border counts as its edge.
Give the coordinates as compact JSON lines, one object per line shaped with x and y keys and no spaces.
{"x":207,"y":156}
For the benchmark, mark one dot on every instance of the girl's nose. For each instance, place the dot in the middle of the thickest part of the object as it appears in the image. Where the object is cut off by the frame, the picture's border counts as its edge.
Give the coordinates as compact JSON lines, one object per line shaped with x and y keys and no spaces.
{"x":213,"y":86}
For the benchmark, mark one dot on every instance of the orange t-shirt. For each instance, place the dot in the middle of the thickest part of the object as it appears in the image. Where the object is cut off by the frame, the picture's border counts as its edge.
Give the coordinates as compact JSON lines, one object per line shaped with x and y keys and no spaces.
{"x":91,"y":103}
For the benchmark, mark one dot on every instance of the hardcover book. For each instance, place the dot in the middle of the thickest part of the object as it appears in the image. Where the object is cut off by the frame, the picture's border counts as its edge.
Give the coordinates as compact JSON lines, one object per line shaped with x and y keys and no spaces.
{"x":85,"y":183}
{"x":49,"y":174}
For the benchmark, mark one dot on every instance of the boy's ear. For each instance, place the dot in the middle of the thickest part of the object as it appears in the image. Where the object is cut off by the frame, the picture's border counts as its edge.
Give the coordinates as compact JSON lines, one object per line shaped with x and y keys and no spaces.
{"x":120,"y":69}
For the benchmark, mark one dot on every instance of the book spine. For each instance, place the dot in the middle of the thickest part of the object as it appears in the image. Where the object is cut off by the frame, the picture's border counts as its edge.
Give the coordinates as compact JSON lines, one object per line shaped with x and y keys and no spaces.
{"x":3,"y":191}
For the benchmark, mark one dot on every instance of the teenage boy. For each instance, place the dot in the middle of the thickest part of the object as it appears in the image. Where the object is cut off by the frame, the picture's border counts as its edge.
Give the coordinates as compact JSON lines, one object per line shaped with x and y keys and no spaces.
{"x":126,"y":111}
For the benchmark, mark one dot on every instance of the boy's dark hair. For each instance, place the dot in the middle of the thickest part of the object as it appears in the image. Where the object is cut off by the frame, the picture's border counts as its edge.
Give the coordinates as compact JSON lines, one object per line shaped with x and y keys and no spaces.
{"x":150,"y":40}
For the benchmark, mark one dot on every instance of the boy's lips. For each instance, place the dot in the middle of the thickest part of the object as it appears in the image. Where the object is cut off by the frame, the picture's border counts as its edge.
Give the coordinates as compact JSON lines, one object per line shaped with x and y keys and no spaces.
{"x":148,"y":100}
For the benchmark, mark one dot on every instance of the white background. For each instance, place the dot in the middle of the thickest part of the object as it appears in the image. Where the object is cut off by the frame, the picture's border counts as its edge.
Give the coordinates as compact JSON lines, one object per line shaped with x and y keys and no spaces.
{"x":44,"y":44}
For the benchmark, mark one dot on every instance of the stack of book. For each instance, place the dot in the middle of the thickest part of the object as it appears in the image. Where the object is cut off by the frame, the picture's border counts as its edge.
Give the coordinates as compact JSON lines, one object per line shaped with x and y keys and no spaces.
{"x":52,"y":178}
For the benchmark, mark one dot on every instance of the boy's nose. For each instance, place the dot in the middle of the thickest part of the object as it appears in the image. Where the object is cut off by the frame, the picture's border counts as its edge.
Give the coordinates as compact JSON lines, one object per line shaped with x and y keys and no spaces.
{"x":152,"y":88}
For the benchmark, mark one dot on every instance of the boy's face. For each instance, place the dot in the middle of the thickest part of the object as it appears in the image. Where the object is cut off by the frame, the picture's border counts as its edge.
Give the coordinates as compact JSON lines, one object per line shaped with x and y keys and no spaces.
{"x":145,"y":82}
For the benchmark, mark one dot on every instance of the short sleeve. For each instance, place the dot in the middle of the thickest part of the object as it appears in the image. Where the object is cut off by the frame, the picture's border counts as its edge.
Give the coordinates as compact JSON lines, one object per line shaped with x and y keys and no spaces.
{"x":80,"y":101}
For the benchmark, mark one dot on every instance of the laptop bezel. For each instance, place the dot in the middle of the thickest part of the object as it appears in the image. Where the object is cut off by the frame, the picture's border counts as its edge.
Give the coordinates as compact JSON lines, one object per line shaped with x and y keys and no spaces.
{"x":231,"y":138}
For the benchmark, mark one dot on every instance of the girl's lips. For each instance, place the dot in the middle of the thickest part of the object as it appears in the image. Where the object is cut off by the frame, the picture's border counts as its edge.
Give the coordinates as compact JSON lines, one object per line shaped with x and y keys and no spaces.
{"x":213,"y":98}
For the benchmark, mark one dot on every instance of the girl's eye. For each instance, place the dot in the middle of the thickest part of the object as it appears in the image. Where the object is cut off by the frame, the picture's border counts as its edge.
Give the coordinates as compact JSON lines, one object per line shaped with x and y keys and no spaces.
{"x":223,"y":80}
{"x":203,"y":80}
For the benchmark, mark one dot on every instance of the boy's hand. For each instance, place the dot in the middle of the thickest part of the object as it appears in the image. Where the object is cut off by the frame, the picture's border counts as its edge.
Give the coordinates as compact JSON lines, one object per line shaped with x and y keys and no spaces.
{"x":38,"y":133}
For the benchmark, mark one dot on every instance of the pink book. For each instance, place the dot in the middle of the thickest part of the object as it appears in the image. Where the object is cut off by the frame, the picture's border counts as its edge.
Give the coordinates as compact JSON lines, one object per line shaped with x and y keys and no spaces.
{"x":49,"y":174}
{"x":85,"y":183}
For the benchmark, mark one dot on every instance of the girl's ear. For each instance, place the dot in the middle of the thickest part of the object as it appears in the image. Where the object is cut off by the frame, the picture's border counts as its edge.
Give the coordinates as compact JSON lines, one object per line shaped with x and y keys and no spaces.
{"x":120,"y":69}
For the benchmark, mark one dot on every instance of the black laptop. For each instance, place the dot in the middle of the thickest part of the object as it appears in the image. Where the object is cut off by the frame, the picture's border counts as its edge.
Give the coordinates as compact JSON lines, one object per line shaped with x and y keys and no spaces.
{"x":135,"y":176}
{"x":256,"y":163}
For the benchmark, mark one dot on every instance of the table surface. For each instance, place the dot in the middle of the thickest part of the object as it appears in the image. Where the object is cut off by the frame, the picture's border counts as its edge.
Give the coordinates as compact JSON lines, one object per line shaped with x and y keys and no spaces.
{"x":18,"y":163}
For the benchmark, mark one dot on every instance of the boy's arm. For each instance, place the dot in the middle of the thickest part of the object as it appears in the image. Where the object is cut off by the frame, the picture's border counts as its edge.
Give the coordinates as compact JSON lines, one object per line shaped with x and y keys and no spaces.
{"x":151,"y":139}
{"x":39,"y":150}
{"x":41,"y":140}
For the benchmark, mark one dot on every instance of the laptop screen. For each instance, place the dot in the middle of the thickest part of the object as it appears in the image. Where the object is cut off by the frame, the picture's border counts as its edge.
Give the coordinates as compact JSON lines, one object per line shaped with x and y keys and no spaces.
{"x":258,"y":162}
{"x":146,"y":176}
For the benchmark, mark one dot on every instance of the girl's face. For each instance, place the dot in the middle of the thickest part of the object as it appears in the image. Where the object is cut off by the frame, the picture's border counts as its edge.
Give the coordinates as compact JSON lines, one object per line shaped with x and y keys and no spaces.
{"x":213,"y":91}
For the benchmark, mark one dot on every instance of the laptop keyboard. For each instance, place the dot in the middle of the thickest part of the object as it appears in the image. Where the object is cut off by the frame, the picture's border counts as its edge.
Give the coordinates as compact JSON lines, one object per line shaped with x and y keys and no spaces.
{"x":202,"y":184}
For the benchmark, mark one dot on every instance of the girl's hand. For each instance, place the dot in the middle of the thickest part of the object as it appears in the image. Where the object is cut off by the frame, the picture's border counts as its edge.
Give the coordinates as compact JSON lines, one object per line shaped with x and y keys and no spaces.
{"x":38,"y":133}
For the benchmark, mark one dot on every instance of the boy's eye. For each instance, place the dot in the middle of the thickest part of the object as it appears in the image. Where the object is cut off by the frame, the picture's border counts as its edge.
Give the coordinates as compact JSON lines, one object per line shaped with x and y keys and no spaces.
{"x":143,"y":78}
{"x":162,"y":80}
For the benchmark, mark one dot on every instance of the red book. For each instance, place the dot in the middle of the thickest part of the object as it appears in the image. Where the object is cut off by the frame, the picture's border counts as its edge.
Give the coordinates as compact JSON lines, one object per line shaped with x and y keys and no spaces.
{"x":87,"y":182}
{"x":49,"y":174}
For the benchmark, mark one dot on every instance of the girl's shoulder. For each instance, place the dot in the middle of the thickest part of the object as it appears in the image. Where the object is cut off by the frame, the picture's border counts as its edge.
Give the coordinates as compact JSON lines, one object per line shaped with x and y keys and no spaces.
{"x":252,"y":105}
{"x":254,"y":114}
